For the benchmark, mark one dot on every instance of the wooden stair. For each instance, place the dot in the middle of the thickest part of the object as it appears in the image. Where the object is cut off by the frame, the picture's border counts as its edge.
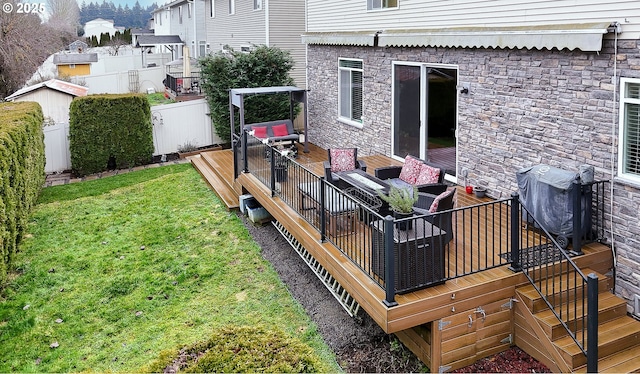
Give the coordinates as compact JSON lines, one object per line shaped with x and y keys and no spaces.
{"x":217,"y":170}
{"x":618,"y":334}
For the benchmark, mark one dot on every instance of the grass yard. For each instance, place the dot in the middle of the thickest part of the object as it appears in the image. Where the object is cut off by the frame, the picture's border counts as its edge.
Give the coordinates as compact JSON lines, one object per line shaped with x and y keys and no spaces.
{"x":117,"y":271}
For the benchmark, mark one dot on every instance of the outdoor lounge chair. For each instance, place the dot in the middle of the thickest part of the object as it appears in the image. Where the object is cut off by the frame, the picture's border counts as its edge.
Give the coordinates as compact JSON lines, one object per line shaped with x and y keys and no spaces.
{"x":341,"y":159}
{"x":429,"y":204}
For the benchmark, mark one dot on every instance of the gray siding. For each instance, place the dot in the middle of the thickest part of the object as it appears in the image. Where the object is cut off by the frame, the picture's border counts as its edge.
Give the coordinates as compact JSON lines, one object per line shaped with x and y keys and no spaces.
{"x":286,"y":25}
{"x":340,"y":15}
{"x":245,"y":27}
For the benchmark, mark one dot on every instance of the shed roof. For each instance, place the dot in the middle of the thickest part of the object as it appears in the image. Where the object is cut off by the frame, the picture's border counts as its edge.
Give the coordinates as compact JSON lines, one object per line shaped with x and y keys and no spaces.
{"x":54,"y":84}
{"x":151,"y":40}
{"x":74,"y":58}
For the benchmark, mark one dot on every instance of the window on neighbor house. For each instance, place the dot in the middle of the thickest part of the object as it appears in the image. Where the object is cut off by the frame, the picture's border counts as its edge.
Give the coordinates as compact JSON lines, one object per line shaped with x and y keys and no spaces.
{"x":232,"y":6}
{"x":203,"y":47}
{"x":629,"y":144}
{"x":212,"y":8}
{"x":381,"y":4}
{"x":189,"y":8}
{"x":350,"y":90}
{"x":72,"y":66}
{"x":180,"y":14}
{"x":257,"y":4}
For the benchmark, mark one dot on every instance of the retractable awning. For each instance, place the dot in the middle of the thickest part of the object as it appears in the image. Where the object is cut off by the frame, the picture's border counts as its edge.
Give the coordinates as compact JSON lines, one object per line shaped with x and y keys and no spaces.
{"x":583,"y":36}
{"x":363,"y":38}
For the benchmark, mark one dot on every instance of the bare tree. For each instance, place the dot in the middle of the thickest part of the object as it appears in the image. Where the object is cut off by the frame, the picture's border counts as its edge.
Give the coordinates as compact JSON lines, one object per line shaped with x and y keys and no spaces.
{"x":25,"y":42}
{"x":64,"y":15}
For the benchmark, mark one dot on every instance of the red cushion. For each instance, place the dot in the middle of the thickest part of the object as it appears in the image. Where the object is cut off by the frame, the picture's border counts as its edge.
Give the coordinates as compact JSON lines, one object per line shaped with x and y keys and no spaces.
{"x":342,"y":159}
{"x":434,"y":205}
{"x":428,"y":175}
{"x":280,"y":130}
{"x":259,"y":131}
{"x":410,"y":170}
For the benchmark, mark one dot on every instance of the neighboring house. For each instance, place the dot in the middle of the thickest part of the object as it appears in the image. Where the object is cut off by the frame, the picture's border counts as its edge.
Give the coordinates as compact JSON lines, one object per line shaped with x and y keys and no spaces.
{"x":186,"y":19}
{"x":99,"y":26}
{"x":78,"y":46}
{"x":242,"y":24}
{"x":54,"y":96}
{"x":74,"y":64}
{"x":159,"y":44}
{"x":543,"y":82}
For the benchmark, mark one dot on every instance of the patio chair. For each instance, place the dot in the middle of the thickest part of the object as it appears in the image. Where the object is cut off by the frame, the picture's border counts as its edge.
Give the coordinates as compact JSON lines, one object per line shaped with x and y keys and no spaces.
{"x":341,"y":159}
{"x":429,"y":204}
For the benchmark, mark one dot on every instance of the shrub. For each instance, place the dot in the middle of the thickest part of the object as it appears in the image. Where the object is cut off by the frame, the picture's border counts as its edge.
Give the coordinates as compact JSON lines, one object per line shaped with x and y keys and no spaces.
{"x":109,"y":128}
{"x":262,"y":67}
{"x":238,"y":349}
{"x":21,"y":173}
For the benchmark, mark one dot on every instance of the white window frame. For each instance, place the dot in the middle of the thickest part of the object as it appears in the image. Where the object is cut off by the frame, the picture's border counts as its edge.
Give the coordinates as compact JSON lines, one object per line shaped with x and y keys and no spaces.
{"x":350,"y":71}
{"x":189,"y":6}
{"x":232,"y":7}
{"x":623,"y":133}
{"x":382,"y":4}
{"x":202,"y":48}
{"x":180,"y":14}
{"x":212,"y":11}
{"x":257,"y":4}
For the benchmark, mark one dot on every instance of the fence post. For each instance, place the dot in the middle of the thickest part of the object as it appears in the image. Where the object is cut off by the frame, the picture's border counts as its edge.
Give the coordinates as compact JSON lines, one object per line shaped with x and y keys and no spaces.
{"x":576,"y":240}
{"x":389,"y":263}
{"x":592,"y":323}
{"x":323,"y":215}
{"x":515,"y":233}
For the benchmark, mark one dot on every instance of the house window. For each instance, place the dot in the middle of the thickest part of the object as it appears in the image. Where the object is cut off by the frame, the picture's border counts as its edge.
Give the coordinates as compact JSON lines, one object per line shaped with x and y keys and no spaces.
{"x":203,"y":47}
{"x":257,"y":4}
{"x":180,"y":14}
{"x":629,"y":144}
{"x":232,"y":6}
{"x":381,"y":4}
{"x":212,"y":9}
{"x":189,"y":9}
{"x":350,"y":90}
{"x":72,"y":66}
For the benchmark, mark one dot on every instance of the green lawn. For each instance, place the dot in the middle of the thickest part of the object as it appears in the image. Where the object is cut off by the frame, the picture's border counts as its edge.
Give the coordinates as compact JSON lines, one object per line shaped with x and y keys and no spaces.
{"x":115,"y":271}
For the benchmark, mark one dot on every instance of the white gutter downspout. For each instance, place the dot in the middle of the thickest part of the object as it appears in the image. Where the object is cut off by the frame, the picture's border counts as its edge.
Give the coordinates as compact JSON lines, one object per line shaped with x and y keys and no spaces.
{"x":617,"y":30}
{"x":266,"y":23}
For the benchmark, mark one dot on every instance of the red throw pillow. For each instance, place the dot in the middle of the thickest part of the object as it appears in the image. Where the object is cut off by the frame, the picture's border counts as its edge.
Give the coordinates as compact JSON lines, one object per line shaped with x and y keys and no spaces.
{"x":428,"y":175}
{"x":434,"y":205}
{"x":342,"y":159}
{"x":280,"y":130}
{"x":259,"y":131}
{"x":410,"y":169}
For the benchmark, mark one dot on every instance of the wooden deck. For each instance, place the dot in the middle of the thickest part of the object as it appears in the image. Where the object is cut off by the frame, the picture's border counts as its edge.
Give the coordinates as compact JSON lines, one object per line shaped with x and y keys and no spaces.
{"x":440,"y":324}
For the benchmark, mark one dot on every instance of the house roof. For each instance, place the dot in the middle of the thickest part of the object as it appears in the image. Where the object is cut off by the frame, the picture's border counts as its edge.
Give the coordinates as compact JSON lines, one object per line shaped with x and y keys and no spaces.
{"x":585,"y":37}
{"x":74,"y":58}
{"x":54,"y":84}
{"x":151,"y":40}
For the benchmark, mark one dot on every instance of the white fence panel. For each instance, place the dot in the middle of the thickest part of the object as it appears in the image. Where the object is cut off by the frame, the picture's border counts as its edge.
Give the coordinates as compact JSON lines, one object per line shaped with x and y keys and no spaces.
{"x":56,"y":148}
{"x":118,"y":83}
{"x":177,"y":124}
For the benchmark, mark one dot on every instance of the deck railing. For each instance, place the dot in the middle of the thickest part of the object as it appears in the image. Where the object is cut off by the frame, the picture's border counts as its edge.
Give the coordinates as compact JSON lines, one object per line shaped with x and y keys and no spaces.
{"x":182,"y":85}
{"x":571,"y":295}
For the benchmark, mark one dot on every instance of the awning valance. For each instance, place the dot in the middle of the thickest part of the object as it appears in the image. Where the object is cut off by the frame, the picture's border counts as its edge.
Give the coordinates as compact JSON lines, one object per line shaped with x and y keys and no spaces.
{"x":365,"y":38}
{"x":583,"y":36}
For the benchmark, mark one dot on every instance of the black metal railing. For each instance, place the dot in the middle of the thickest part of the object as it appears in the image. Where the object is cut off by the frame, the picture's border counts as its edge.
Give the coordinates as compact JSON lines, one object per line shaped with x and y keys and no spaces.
{"x":182,"y":85}
{"x":571,"y":295}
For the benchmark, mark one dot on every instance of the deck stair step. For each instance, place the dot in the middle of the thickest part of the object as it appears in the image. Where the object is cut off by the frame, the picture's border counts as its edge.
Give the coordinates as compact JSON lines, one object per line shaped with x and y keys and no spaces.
{"x":536,"y":303}
{"x":618,"y":334}
{"x":613,"y":336}
{"x":344,"y":298}
{"x":226,"y":192}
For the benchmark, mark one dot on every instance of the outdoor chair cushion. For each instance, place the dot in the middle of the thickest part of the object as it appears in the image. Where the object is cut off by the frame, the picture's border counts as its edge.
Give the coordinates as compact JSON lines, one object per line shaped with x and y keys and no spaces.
{"x":428,"y":175}
{"x":280,"y":130}
{"x":410,"y":170}
{"x":342,"y":159}
{"x":420,"y":169}
{"x":259,"y":131}
{"x":434,"y":205}
{"x":289,"y":136}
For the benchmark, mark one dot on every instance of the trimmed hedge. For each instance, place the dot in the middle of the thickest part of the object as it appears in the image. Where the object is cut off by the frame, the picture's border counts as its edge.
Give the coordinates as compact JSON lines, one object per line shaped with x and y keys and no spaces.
{"x":21,"y":174}
{"x":109,"y":131}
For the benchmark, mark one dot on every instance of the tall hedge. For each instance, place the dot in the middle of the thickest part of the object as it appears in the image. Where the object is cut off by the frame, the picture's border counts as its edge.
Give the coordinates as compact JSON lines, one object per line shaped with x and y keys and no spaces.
{"x":21,"y":173}
{"x":262,"y":67}
{"x":109,"y":131}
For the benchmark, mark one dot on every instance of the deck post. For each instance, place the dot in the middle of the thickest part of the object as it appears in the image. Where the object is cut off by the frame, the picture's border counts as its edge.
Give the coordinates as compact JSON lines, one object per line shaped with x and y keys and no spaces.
{"x":245,"y":162}
{"x":322,"y":212}
{"x":592,"y":323}
{"x":515,"y":233}
{"x":576,"y":240}
{"x":389,"y":263}
{"x":272,"y":166}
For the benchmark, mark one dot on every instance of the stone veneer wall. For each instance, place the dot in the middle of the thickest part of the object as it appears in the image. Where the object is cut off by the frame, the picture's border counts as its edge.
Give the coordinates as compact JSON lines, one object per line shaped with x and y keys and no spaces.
{"x":525,"y":107}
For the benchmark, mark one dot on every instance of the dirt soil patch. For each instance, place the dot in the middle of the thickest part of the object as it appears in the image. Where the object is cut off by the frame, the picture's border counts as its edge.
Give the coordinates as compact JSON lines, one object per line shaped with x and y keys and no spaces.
{"x":361,"y":346}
